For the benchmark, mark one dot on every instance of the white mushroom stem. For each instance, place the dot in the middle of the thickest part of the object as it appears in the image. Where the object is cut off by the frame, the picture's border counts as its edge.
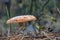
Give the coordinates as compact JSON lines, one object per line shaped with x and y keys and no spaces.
{"x":21,"y":26}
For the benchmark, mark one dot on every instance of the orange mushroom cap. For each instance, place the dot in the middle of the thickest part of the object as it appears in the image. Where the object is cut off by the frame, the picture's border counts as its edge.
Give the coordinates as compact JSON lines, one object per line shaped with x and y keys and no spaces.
{"x":21,"y":19}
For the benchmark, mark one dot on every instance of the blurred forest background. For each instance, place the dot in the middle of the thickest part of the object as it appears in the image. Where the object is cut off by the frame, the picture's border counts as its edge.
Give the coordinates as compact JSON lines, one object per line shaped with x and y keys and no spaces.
{"x":46,"y":11}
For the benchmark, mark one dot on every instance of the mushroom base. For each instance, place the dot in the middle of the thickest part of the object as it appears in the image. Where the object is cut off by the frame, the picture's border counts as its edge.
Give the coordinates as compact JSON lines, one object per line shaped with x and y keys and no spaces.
{"x":21,"y":26}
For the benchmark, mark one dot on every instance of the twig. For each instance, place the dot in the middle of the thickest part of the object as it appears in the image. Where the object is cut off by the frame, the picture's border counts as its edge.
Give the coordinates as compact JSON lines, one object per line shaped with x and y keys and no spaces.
{"x":44,"y":5}
{"x":17,"y":36}
{"x":46,"y":34}
{"x":58,"y":10}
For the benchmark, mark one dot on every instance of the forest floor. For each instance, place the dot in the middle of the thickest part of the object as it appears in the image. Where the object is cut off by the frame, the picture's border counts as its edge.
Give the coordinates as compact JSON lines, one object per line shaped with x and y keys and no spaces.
{"x":47,"y":36}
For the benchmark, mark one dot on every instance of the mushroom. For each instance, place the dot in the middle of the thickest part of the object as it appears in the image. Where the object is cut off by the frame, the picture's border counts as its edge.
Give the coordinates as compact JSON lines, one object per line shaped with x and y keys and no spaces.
{"x":21,"y":19}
